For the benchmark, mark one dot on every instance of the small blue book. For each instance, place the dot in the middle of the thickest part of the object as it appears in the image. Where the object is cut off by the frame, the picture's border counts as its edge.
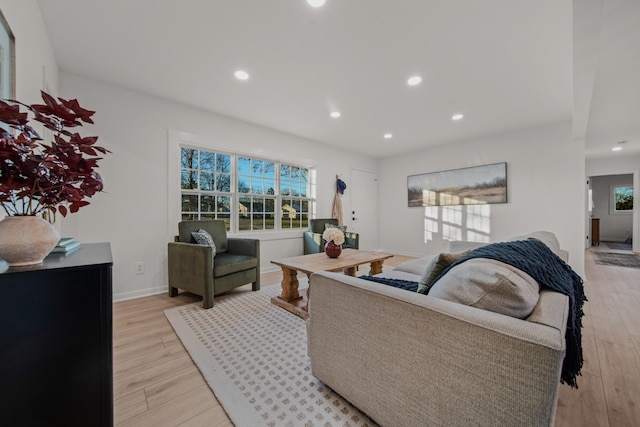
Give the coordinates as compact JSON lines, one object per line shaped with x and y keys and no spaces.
{"x":69,"y":247}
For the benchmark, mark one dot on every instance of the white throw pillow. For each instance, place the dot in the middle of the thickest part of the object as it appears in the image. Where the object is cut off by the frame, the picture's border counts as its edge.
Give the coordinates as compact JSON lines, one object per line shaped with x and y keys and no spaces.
{"x":490,"y":285}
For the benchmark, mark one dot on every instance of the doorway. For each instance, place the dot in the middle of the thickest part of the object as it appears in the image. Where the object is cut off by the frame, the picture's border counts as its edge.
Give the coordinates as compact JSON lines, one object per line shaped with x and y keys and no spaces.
{"x":362,"y":213}
{"x":613,"y":224}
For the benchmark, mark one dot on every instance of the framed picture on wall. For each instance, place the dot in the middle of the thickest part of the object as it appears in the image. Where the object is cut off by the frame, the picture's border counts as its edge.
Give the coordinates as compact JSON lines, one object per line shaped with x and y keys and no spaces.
{"x":476,"y":185}
{"x":7,"y":60}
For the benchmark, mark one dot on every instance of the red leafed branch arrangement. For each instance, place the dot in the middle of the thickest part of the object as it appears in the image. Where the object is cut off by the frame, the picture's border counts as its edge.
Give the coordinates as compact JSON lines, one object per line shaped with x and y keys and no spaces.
{"x":36,"y":176}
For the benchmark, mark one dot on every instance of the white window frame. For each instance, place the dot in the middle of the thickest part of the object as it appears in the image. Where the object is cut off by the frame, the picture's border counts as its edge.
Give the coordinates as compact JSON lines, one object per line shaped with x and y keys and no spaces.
{"x":612,"y":200}
{"x":177,"y":140}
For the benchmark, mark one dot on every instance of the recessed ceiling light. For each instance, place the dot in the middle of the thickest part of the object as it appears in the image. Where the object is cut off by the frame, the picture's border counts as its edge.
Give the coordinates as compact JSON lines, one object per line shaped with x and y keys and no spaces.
{"x":619,"y":146}
{"x":387,"y":136}
{"x":241,"y":75}
{"x":457,"y":116}
{"x":335,"y":114}
{"x":316,"y":3}
{"x":414,"y":80}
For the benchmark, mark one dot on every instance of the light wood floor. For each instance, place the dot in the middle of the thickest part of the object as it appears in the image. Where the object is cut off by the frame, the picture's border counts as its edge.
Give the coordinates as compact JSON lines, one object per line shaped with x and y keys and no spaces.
{"x":157,"y":384}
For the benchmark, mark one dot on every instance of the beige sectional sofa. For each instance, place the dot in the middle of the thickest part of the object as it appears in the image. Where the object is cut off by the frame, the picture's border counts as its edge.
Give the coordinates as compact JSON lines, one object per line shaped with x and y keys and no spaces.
{"x":407,"y":359}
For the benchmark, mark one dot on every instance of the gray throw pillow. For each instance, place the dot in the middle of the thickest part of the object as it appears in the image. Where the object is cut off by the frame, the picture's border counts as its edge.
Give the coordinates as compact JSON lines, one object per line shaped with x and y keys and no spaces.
{"x":437,"y":265}
{"x":202,"y":237}
{"x":490,"y":285}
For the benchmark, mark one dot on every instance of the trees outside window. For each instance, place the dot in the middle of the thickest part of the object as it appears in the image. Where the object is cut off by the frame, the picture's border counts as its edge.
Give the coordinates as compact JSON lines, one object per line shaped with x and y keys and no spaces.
{"x":623,"y":199}
{"x":244,"y":191}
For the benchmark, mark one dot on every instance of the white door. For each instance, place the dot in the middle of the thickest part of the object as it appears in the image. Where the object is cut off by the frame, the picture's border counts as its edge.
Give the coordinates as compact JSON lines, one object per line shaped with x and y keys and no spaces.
{"x":362,"y":213}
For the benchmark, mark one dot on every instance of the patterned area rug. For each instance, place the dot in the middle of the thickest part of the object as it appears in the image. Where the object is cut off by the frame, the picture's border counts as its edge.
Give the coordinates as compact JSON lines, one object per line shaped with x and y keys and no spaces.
{"x":618,"y":245}
{"x":620,"y":260}
{"x":253,"y":355}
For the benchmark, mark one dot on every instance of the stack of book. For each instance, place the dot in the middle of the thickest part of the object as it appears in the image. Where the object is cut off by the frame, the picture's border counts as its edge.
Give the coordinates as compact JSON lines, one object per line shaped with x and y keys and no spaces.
{"x":66,"y":245}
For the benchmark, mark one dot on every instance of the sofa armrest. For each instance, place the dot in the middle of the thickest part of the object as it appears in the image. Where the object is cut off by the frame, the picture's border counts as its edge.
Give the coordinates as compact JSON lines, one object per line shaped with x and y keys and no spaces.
{"x":413,"y":360}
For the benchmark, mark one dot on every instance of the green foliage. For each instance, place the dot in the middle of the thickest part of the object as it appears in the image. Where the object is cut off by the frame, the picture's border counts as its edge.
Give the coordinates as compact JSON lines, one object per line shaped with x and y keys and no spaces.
{"x":623,"y":198}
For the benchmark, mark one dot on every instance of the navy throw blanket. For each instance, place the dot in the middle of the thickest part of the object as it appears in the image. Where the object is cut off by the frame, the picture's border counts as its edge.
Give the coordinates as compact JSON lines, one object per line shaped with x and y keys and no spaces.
{"x":407,"y":285}
{"x":536,"y":259}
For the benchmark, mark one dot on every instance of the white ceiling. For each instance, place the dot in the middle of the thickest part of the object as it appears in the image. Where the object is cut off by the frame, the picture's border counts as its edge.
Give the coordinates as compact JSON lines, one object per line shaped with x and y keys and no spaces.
{"x":504,"y":64}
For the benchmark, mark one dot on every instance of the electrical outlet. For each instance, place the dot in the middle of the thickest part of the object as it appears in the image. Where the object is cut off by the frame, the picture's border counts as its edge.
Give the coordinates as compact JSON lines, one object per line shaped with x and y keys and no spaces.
{"x":139,"y":266}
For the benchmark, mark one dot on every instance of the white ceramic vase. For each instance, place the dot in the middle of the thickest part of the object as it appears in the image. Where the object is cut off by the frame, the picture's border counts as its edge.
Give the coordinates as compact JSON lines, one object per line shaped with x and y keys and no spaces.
{"x":26,"y":240}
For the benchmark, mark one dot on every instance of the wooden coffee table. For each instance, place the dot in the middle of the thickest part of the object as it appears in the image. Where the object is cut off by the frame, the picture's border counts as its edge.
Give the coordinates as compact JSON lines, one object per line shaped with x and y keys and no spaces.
{"x":292,"y":301}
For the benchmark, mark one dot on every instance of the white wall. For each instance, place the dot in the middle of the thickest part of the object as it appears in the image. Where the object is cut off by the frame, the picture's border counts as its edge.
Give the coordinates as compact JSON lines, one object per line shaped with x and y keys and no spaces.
{"x":545,"y":173}
{"x":133,"y":211}
{"x":614,"y":227}
{"x":35,"y":62}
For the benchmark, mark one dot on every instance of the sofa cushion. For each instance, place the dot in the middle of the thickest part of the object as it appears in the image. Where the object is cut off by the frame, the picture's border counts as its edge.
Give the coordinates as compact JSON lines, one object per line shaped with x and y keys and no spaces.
{"x":437,"y":265}
{"x":416,"y":266}
{"x":545,"y":237}
{"x":201,"y":237}
{"x":490,"y":285}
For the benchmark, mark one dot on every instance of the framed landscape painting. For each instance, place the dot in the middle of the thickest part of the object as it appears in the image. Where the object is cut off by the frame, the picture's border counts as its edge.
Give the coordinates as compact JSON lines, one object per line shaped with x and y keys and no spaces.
{"x":7,"y":61}
{"x":469,"y":186}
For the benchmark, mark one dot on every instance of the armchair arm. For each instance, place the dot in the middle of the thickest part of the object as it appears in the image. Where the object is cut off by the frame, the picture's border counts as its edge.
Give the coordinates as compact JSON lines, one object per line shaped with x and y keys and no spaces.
{"x":352,"y":239}
{"x":248,"y":247}
{"x":313,"y":243}
{"x":191,"y":268}
{"x":240,"y":246}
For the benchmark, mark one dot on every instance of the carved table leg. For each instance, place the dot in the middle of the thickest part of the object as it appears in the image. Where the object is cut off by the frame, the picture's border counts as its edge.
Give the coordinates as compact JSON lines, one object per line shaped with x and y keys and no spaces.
{"x":289,"y":285}
{"x":376,"y":267}
{"x":351,"y":271}
{"x":290,"y":299}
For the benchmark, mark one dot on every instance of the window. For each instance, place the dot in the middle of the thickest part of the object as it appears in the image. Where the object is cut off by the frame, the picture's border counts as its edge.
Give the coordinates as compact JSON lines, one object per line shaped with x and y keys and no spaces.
{"x":294,"y":191}
{"x":257,"y":194}
{"x":623,"y":199}
{"x":205,"y":180}
{"x":244,"y":191}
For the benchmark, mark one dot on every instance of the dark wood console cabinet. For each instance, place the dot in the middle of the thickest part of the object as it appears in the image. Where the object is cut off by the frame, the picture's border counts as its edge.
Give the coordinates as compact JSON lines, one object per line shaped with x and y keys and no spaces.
{"x":56,"y":352}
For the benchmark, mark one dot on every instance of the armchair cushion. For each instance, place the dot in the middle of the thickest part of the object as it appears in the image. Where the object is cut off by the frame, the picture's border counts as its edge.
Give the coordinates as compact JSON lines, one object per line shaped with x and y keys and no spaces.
{"x":230,"y":263}
{"x":342,"y":228}
{"x":318,"y":225}
{"x":216,"y":229}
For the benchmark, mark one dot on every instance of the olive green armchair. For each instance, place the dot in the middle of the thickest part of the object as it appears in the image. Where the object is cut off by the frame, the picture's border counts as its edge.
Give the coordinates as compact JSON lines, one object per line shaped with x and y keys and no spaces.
{"x":194,"y":268}
{"x":313,"y":242}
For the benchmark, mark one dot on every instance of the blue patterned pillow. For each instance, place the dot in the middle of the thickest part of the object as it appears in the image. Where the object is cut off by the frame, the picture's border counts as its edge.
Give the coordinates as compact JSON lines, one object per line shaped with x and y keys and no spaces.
{"x":203,"y":238}
{"x":342,"y":228}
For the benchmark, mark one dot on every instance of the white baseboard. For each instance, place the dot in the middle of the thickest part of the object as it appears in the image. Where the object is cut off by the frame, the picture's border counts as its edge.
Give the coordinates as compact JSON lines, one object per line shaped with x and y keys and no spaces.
{"x":270,"y":269}
{"x":612,"y":239}
{"x":124,"y":296}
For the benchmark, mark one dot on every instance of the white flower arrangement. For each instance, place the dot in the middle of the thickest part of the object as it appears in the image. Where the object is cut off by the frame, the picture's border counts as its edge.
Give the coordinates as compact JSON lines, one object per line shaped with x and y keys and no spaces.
{"x":334,"y":234}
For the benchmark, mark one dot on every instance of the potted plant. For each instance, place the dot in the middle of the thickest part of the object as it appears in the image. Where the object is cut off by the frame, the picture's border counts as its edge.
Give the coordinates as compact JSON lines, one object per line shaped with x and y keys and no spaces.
{"x":42,"y":178}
